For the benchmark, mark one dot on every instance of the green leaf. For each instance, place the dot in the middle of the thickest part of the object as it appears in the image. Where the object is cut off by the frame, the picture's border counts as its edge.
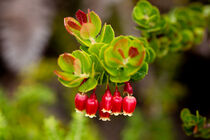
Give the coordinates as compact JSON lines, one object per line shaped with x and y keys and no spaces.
{"x":74,"y":83}
{"x":66,"y":62}
{"x":185,"y":112}
{"x":97,"y":64}
{"x":65,"y":76}
{"x":90,"y":84}
{"x":107,"y":34}
{"x":150,"y":55}
{"x":95,"y":48}
{"x":88,"y":31}
{"x":187,"y":39}
{"x":96,"y":21}
{"x":142,"y":72}
{"x":119,"y":79}
{"x":84,"y":48}
{"x":85,"y":60}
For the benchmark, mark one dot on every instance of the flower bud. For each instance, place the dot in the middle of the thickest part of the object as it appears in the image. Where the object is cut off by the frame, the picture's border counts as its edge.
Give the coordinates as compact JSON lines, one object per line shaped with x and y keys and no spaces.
{"x":107,"y":101}
{"x":103,"y":116}
{"x":91,"y":106}
{"x":116,"y":103}
{"x":80,"y":102}
{"x":129,"y":105}
{"x":128,"y":88}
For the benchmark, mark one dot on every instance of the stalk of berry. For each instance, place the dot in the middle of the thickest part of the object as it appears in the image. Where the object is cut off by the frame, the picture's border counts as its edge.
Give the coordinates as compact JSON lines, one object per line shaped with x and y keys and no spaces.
{"x":128,"y":88}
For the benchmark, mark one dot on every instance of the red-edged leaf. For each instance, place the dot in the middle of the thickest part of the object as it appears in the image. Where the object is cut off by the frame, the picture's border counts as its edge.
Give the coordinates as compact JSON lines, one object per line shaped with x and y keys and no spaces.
{"x":65,"y":76}
{"x":122,"y":43}
{"x":117,"y":61}
{"x":74,"y":25}
{"x":142,"y":58}
{"x":133,"y":52}
{"x":81,"y":16}
{"x":77,"y":67}
{"x":68,"y":58}
{"x":71,"y":24}
{"x":66,"y":61}
{"x":121,"y":53}
{"x":121,"y":46}
{"x":87,"y":30}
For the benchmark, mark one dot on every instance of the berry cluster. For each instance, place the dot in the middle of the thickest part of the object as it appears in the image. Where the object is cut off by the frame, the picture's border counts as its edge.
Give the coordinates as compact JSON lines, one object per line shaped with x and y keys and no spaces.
{"x":109,"y":105}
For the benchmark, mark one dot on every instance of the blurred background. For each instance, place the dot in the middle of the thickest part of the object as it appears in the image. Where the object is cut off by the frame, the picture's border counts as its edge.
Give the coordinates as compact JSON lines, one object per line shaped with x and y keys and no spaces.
{"x":35,"y":106}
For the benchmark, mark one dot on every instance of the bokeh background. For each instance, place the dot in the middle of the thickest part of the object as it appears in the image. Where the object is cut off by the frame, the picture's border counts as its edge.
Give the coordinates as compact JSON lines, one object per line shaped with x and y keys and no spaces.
{"x":35,"y":106}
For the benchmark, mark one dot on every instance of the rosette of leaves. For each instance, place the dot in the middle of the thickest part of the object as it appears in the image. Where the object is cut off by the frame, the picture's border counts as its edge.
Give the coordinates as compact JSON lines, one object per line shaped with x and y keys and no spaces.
{"x":77,"y":68}
{"x":147,"y":17}
{"x":86,"y":28}
{"x":160,"y":45}
{"x":195,"y":125}
{"x":187,"y":39}
{"x":123,"y":58}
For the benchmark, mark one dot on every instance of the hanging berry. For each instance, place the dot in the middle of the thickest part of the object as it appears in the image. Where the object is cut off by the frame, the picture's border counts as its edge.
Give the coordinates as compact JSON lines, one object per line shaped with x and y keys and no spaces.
{"x":129,"y":105}
{"x":80,"y":101}
{"x":116,"y":103}
{"x":107,"y":101}
{"x":128,"y":88}
{"x":103,"y":116}
{"x":91,"y":105}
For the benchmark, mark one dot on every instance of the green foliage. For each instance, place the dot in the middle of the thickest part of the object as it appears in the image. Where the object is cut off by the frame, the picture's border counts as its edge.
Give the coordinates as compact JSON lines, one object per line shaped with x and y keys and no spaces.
{"x":21,"y":117}
{"x":103,"y":56}
{"x":25,"y":117}
{"x":195,"y":125}
{"x":123,"y":58}
{"x":138,"y":127}
{"x":52,"y":130}
{"x":80,"y":128}
{"x":178,"y":30}
{"x":126,"y":58}
{"x":147,"y":16}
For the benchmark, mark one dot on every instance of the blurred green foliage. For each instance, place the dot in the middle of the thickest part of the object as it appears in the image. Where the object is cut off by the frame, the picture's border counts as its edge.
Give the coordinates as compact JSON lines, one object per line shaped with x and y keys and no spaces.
{"x":139,"y":127}
{"x":24,"y":116}
{"x":178,"y":30}
{"x":195,"y":125}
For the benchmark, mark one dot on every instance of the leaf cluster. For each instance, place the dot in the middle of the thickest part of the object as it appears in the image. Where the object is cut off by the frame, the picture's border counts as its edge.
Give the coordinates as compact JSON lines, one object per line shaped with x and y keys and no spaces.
{"x":195,"y":125}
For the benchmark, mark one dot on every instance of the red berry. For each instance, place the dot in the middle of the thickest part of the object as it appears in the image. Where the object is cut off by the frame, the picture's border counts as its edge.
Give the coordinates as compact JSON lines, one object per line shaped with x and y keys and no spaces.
{"x":129,"y":105}
{"x":91,"y":106}
{"x":116,"y":103}
{"x":80,"y":101}
{"x":103,"y":116}
{"x":107,"y":101}
{"x":128,"y":88}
